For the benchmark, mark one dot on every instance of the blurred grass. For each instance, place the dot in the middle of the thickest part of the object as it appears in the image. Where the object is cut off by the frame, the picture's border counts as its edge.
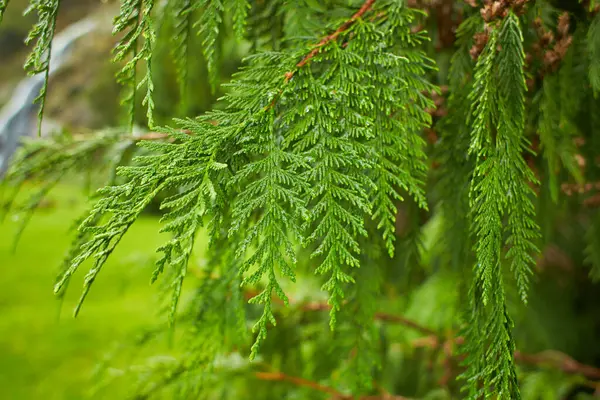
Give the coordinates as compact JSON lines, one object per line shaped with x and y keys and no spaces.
{"x":47,"y":355}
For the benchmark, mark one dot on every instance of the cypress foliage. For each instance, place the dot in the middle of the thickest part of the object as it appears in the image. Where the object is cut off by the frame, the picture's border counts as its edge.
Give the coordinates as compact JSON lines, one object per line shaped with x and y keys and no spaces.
{"x":366,"y":161}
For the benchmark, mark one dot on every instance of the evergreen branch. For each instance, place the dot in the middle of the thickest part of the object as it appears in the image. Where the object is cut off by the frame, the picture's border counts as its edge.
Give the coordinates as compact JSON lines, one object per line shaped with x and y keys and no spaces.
{"x":42,"y":33}
{"x":189,"y":164}
{"x":523,"y":229}
{"x":500,"y":185}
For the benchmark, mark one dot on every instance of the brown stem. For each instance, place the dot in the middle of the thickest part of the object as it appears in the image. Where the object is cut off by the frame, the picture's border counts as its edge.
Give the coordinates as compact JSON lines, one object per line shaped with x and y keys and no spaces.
{"x":281,"y":377}
{"x":329,"y":38}
{"x":380,"y":316}
{"x":552,"y":358}
{"x":335,"y":394}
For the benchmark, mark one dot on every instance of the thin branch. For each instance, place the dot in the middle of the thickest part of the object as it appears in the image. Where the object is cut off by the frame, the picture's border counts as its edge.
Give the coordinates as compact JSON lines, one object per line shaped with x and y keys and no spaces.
{"x":336,"y":395}
{"x":368,"y":4}
{"x":344,"y":27}
{"x":380,"y":316}
{"x":281,"y":377}
{"x":552,"y":358}
{"x":559,"y":361}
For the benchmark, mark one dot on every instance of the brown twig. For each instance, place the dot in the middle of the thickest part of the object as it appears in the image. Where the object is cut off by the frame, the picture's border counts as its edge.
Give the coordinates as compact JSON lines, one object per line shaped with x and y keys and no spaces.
{"x":281,"y":377}
{"x":337,"y":395}
{"x":380,"y":316}
{"x":368,"y":4}
{"x":344,"y":27}
{"x":559,"y":361}
{"x":553,"y":358}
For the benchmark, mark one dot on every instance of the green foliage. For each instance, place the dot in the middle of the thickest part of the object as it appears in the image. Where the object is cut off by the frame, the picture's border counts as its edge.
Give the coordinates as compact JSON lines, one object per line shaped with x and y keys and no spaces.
{"x":499,"y":187}
{"x":314,"y":182}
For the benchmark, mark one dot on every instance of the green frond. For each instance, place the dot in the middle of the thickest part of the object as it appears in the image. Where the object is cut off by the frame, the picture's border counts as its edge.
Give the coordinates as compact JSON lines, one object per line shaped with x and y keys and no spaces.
{"x":510,"y":139}
{"x":271,"y":187}
{"x":401,"y":117}
{"x":135,"y":24}
{"x":500,"y":187}
{"x":42,"y":33}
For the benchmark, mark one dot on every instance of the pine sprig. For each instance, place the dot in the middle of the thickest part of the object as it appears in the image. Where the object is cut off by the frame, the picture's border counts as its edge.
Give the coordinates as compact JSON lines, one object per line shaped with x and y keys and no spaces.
{"x":42,"y":34}
{"x":135,"y":23}
{"x":267,"y":206}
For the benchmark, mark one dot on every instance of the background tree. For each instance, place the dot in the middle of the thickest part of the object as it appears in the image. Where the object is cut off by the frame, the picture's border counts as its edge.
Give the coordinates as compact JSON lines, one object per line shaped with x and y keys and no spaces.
{"x":428,"y":159}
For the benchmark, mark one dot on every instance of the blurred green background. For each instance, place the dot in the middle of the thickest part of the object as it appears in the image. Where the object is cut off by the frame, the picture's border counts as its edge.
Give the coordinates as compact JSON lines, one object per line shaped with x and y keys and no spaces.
{"x":45,"y":353}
